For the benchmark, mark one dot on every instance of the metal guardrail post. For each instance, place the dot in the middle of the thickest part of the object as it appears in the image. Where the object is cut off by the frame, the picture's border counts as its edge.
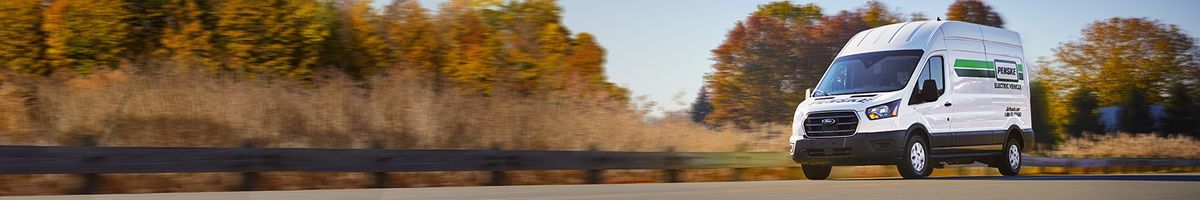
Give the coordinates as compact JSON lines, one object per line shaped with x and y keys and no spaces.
{"x":250,"y":179}
{"x":381,"y":178}
{"x":670,"y":173}
{"x":594,"y":176}
{"x":738,"y":172}
{"x":91,"y":182}
{"x":498,"y":176}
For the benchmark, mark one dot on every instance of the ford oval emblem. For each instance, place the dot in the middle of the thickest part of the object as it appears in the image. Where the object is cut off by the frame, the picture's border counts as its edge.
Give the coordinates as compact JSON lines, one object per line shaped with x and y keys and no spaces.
{"x":829,"y":121}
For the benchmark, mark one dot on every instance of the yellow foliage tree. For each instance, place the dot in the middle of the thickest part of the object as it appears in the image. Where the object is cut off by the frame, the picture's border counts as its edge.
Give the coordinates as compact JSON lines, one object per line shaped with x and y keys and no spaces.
{"x":360,"y":44}
{"x":85,"y":34}
{"x":273,"y":37}
{"x":20,"y":37}
{"x":411,"y":37}
{"x":185,"y":40}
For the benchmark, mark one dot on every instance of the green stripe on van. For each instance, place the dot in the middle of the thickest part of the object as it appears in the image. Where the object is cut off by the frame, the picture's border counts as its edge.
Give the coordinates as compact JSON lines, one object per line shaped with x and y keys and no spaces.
{"x":973,"y":64}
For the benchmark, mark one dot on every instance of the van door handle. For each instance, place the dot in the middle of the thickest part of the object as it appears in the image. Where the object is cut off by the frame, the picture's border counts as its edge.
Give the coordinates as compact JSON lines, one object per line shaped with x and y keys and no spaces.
{"x":948,"y":104}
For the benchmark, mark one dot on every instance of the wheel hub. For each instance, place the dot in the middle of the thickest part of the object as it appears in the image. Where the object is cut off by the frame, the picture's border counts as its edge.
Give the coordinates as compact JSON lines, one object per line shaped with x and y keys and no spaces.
{"x":917,"y":156}
{"x":1014,"y":156}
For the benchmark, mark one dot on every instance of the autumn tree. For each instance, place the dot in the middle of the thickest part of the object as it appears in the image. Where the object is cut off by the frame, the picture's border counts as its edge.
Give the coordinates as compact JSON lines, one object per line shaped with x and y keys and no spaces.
{"x":1120,"y":52}
{"x":471,"y":54}
{"x":787,"y":11}
{"x":359,"y":47}
{"x":280,"y":38}
{"x":584,"y":70}
{"x":21,"y":37}
{"x":411,"y":38}
{"x":188,"y":35}
{"x":745,"y":83}
{"x":83,"y":35}
{"x":876,"y":14}
{"x":778,"y":51}
{"x":974,"y":11}
{"x":553,"y":44}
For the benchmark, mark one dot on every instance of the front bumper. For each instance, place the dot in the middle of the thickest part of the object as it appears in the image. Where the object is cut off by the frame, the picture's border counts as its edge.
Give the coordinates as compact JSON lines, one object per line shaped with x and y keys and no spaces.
{"x":877,"y":148}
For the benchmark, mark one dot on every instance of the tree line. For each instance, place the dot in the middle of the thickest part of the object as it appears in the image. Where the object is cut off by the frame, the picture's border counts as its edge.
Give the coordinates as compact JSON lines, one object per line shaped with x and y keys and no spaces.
{"x":474,"y":46}
{"x":768,"y":59}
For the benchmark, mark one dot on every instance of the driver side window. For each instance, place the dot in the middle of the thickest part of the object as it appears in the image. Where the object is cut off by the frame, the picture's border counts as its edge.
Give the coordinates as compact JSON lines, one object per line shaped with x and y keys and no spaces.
{"x":934,"y":70}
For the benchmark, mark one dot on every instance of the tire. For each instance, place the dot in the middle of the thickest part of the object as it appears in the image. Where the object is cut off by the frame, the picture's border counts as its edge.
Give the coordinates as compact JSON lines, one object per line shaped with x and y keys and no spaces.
{"x":1010,"y":163}
{"x":816,"y":172}
{"x":916,"y":163}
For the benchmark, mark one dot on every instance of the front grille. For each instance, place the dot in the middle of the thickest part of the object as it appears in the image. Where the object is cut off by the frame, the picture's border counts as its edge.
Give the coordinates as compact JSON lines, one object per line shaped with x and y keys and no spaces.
{"x":845,"y":123}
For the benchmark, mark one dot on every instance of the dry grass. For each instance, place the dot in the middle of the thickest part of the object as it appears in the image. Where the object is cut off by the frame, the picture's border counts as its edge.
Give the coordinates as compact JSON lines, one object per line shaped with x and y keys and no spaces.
{"x":180,"y":109}
{"x":1129,"y":146}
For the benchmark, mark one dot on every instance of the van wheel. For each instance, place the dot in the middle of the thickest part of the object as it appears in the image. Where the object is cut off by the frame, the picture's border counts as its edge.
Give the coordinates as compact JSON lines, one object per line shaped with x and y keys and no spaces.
{"x":916,"y":163}
{"x":816,"y":172}
{"x":1010,"y":162}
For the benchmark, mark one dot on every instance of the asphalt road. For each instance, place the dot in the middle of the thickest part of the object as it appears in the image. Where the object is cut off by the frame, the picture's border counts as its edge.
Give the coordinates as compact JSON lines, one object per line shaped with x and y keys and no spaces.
{"x":1090,"y":187}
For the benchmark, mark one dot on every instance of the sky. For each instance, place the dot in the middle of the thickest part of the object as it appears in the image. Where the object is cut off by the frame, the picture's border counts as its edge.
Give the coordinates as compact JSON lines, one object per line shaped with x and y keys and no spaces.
{"x":661,"y":49}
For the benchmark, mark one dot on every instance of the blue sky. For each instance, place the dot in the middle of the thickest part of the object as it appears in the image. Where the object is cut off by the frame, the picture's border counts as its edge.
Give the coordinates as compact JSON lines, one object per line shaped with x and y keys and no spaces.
{"x":661,"y":48}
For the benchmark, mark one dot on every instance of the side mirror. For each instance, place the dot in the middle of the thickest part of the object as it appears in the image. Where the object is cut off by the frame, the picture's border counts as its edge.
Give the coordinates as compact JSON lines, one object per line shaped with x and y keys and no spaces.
{"x":929,"y":91}
{"x":807,"y":92}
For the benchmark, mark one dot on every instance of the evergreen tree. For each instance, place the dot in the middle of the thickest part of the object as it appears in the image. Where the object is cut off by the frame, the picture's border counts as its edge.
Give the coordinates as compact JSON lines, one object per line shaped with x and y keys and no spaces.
{"x":21,"y":37}
{"x":1135,"y":112}
{"x":1040,"y":108}
{"x":1180,"y":112}
{"x":1083,"y":116}
{"x":974,"y":11}
{"x":701,"y":106}
{"x":84,"y":35}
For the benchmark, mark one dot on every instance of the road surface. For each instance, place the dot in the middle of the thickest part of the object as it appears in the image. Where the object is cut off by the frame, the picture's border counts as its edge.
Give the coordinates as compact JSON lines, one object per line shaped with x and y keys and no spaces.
{"x":1089,"y":187}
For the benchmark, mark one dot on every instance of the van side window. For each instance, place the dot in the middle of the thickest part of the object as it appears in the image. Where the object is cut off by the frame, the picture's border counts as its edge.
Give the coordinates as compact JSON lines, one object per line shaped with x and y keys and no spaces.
{"x":935,"y":70}
{"x":938,"y":73}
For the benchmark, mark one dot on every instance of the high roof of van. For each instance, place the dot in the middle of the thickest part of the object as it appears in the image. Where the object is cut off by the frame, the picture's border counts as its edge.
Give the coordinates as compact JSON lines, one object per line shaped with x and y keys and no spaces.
{"x":919,"y":34}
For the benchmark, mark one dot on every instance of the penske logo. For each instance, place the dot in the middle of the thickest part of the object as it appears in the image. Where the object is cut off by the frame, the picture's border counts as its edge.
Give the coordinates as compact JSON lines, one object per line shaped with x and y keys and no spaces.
{"x":1006,"y":71}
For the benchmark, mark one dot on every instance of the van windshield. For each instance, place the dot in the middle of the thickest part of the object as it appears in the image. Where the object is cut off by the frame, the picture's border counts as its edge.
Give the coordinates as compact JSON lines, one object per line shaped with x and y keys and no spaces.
{"x":869,"y":72}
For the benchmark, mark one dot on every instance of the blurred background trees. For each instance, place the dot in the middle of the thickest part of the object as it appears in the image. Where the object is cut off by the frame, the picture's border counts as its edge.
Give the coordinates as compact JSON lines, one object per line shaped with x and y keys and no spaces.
{"x":474,"y":46}
{"x":1134,"y":66}
{"x":974,"y":11}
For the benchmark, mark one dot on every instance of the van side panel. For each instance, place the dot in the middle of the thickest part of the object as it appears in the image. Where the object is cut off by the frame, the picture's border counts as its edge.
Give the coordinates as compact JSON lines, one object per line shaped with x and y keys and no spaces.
{"x":1010,"y":101}
{"x":970,"y":100}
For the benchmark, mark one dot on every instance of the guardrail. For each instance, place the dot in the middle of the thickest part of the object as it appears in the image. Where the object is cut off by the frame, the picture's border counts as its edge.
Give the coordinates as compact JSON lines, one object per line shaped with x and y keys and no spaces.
{"x":90,"y":161}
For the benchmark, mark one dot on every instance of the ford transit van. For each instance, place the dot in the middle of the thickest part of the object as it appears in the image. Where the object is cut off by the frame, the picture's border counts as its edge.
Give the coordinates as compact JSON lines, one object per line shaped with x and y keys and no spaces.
{"x":918,"y":95}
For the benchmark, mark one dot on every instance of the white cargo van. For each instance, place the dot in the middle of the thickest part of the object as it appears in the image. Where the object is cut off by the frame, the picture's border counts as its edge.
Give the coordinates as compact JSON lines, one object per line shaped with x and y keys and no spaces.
{"x":918,"y":95}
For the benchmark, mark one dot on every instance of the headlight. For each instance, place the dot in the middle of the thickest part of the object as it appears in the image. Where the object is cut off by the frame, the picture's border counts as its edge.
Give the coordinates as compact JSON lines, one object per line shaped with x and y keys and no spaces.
{"x":883,"y":111}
